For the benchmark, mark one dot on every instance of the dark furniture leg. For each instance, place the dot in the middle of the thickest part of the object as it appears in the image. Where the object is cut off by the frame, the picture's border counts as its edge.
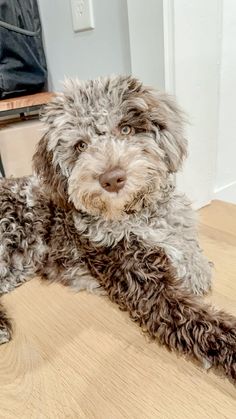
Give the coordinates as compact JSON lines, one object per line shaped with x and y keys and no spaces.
{"x":1,"y":167}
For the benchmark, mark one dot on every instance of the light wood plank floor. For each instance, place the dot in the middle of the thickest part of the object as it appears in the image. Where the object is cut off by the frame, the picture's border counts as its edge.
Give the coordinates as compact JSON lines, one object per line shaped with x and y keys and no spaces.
{"x":78,"y":356}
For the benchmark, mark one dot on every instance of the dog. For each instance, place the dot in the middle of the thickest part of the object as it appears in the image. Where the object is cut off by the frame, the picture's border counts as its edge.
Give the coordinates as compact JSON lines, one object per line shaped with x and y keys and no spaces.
{"x":101,"y":213}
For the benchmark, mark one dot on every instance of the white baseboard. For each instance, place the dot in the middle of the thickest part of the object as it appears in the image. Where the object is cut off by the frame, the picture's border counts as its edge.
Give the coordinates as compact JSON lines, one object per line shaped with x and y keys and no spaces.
{"x":226,"y":193}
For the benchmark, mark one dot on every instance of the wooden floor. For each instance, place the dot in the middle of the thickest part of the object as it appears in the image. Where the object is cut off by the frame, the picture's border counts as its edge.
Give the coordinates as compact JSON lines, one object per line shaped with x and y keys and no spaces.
{"x":78,"y":356}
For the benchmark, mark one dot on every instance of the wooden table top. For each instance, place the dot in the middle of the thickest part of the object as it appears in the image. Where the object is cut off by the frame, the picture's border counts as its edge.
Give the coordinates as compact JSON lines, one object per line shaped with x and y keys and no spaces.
{"x":27,"y":101}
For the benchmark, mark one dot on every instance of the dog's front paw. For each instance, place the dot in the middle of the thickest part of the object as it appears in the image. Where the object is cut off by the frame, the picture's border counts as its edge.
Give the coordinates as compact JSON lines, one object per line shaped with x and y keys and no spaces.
{"x":197,"y":274}
{"x":95,"y":288}
{"x":89,"y":284}
{"x":5,"y":334}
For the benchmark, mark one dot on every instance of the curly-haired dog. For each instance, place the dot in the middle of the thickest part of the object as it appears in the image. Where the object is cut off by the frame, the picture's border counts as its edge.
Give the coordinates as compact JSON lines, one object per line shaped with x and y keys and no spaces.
{"x":101,"y":212}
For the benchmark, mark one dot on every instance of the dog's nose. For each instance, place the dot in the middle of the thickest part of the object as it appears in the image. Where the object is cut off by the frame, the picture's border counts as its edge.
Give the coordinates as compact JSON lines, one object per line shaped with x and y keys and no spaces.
{"x":113,"y":180}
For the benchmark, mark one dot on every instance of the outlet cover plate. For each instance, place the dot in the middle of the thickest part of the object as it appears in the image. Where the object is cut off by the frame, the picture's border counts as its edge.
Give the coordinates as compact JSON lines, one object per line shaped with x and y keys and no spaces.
{"x":82,"y":15}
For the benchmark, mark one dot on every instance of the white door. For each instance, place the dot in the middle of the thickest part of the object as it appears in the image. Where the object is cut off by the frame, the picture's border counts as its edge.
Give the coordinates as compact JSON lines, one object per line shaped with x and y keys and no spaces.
{"x":175,"y":45}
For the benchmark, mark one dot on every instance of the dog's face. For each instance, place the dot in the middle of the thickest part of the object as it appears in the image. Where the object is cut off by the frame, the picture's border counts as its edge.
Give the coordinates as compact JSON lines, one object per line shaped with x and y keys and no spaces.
{"x":110,"y":145}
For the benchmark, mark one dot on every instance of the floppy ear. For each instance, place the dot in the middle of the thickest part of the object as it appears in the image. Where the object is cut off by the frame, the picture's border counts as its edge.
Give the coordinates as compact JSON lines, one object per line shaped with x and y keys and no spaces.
{"x":49,"y":173}
{"x":165,"y":114}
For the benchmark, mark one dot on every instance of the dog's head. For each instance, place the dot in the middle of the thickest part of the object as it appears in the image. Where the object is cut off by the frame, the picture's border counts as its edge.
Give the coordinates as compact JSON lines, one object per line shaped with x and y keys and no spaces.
{"x":110,"y":145}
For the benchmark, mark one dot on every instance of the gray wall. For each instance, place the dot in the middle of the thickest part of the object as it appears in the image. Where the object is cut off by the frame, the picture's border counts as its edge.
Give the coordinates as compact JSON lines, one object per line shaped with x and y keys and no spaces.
{"x":101,"y":51}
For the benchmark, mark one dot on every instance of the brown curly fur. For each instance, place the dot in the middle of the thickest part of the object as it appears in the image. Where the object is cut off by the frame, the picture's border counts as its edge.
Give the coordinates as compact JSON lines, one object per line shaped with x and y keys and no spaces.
{"x":142,"y":282}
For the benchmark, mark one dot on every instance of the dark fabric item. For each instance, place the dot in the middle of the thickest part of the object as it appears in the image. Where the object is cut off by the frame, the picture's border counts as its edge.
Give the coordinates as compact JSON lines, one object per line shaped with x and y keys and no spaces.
{"x":22,"y":61}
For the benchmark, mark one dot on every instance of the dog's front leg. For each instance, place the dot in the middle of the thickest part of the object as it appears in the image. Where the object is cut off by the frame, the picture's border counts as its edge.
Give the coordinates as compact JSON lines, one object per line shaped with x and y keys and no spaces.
{"x":83,"y":280}
{"x":186,"y":256}
{"x":5,"y":326}
{"x":75,"y":275}
{"x":196,"y":271}
{"x":87,"y":283}
{"x":7,"y":284}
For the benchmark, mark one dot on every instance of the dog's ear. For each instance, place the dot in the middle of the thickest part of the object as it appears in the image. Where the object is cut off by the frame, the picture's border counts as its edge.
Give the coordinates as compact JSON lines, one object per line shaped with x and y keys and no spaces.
{"x":54,"y":183}
{"x":166,"y":115}
{"x":49,"y":173}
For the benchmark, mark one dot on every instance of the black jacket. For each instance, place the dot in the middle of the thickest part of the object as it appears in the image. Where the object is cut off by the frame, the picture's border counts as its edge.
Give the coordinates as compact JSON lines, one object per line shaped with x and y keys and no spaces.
{"x":23,"y":67}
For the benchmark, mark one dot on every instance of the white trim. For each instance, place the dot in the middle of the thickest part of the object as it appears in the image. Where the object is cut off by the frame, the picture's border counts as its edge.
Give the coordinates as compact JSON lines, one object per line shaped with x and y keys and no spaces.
{"x":201,"y":203}
{"x":169,"y":45}
{"x":222,"y":188}
{"x":226,"y":193}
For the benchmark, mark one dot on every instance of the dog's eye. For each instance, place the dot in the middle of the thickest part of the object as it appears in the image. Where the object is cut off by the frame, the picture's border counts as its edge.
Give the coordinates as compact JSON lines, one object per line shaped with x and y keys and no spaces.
{"x":126,"y":130}
{"x":81,"y":145}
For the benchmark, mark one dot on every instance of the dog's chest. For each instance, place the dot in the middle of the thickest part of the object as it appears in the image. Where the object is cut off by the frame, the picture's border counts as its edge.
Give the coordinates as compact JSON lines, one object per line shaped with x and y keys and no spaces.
{"x":151,"y":232}
{"x":72,"y":230}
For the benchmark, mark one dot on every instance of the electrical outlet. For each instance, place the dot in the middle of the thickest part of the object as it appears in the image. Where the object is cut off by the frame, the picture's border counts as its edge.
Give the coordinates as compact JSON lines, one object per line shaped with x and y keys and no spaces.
{"x":82,"y":15}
